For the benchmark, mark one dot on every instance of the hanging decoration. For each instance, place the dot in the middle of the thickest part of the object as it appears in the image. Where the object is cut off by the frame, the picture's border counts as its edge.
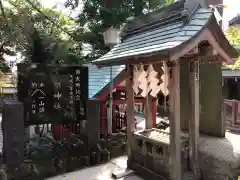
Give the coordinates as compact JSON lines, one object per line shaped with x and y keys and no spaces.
{"x":143,"y":81}
{"x":164,"y":79}
{"x":153,"y":82}
{"x":136,"y":82}
{"x":164,"y":84}
{"x":146,"y":81}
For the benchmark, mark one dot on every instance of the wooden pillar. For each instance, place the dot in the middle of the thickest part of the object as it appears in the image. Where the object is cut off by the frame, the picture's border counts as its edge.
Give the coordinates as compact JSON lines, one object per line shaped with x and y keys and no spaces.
{"x":130,"y":111}
{"x":175,"y":132}
{"x":148,"y":112}
{"x":234,"y":111}
{"x":154,"y":113}
{"x":194,"y":121}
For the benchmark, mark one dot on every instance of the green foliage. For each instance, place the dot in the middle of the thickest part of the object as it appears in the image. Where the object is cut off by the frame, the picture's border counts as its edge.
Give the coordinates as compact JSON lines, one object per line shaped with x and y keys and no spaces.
{"x":98,"y":15}
{"x":233,"y":35}
{"x":38,"y":33}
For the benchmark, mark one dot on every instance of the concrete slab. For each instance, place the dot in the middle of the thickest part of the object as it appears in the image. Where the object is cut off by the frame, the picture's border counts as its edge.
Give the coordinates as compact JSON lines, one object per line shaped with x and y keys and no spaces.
{"x":101,"y":172}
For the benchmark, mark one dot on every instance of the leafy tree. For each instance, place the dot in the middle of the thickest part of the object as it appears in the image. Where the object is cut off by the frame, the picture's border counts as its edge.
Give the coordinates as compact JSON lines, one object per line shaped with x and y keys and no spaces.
{"x":233,"y":35}
{"x":98,"y":15}
{"x":39,"y":34}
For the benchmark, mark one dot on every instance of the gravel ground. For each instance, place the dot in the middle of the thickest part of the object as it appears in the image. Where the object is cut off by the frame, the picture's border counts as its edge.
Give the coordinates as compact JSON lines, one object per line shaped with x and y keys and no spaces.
{"x":220,"y":157}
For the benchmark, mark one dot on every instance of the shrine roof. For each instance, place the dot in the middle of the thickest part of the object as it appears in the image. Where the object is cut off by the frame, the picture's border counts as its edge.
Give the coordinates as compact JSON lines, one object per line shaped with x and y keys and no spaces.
{"x":100,"y":78}
{"x":163,"y":32}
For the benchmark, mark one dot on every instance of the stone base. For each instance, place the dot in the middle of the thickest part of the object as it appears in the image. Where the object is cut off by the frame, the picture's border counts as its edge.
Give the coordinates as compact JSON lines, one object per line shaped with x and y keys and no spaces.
{"x":220,"y":157}
{"x":145,"y":173}
{"x":122,"y":173}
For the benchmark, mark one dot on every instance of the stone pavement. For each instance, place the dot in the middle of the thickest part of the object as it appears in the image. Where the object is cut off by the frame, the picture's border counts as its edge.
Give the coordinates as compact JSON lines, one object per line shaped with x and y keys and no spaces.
{"x":100,"y":172}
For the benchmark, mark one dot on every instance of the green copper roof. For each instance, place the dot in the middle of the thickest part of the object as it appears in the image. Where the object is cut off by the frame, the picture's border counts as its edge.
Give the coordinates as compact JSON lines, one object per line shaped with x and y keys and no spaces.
{"x":100,"y":77}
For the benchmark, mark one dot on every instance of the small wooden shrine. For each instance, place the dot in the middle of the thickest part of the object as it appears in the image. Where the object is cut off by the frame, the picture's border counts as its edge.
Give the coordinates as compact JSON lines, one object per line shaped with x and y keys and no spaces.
{"x":99,"y":82}
{"x":155,"y":48}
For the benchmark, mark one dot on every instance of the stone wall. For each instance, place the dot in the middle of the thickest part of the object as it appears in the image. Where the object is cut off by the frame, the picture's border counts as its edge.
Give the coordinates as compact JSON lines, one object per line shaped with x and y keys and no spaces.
{"x":210,"y":99}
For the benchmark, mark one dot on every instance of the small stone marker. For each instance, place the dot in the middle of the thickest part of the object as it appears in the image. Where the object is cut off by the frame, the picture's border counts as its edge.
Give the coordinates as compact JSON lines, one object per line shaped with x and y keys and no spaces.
{"x":13,"y":133}
{"x":93,"y":122}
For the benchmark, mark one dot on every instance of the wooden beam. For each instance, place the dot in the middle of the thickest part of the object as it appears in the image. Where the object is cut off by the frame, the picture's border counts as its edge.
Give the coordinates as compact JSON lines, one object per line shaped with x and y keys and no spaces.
{"x":148,"y":112}
{"x":194,"y":121}
{"x":130,"y":111}
{"x":175,"y":132}
{"x":217,"y":47}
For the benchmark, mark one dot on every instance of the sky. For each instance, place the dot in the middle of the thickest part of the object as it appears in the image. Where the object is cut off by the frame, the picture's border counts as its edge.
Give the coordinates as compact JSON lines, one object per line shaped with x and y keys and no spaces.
{"x":232,"y":9}
{"x":60,"y":6}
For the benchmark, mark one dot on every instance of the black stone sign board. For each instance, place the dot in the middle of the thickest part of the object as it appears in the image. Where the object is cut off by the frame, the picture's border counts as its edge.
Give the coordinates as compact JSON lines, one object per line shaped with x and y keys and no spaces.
{"x":53,"y":94}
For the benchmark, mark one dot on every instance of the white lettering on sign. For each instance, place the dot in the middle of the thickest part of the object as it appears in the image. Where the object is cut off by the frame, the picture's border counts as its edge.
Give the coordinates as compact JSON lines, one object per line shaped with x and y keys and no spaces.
{"x":34,"y":85}
{"x":57,"y":84}
{"x":41,"y":109}
{"x":57,"y":105}
{"x":71,"y":90}
{"x":41,"y":103}
{"x":77,"y":98}
{"x":34,"y":107}
{"x":41,"y":84}
{"x":70,"y":81}
{"x":78,"y":72}
{"x":58,"y":95}
{"x":78,"y":85}
{"x":77,"y":79}
{"x":78,"y":91}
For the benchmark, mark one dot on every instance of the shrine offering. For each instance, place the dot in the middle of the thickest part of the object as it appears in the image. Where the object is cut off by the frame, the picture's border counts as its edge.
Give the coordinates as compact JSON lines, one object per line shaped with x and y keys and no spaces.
{"x":53,"y":94}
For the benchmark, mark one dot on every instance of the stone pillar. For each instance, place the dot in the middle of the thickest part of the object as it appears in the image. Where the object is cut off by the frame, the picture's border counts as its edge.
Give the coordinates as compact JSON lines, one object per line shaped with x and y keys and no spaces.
{"x":13,"y":133}
{"x":210,"y":109}
{"x":93,"y":122}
